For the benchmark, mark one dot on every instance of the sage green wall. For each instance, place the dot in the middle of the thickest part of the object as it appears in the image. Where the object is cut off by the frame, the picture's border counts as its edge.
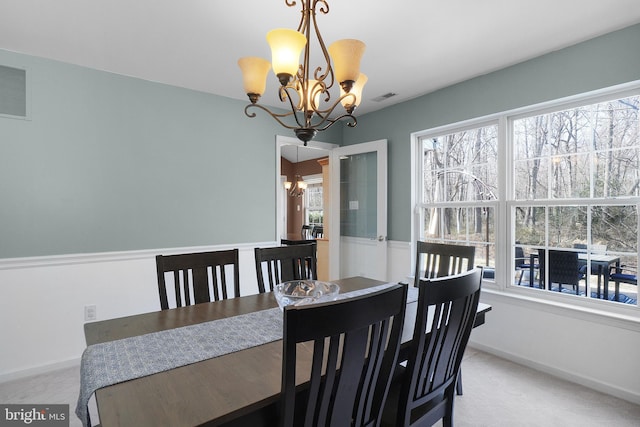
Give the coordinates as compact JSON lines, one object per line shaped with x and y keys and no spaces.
{"x":110,"y":163}
{"x":598,"y":63}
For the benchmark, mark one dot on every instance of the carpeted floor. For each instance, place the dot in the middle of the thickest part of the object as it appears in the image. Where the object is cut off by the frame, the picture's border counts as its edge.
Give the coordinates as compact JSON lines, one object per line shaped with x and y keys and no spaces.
{"x":496,"y":393}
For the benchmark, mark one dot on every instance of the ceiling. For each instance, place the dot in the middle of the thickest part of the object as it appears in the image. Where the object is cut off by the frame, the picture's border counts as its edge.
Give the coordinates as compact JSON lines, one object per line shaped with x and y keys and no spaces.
{"x":297,"y":153}
{"x":413,"y":46}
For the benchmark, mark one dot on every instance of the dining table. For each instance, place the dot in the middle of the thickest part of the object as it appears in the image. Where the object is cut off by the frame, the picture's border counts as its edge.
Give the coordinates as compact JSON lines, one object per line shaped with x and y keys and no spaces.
{"x":240,"y":388}
{"x":601,"y":263}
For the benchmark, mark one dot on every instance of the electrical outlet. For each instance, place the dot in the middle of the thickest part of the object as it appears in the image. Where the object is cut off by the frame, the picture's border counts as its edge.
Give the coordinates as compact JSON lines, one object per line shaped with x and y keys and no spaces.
{"x":90,"y":312}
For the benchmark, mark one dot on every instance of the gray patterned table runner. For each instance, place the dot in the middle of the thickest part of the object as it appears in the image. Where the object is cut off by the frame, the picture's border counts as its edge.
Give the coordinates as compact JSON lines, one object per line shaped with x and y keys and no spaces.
{"x":117,"y":361}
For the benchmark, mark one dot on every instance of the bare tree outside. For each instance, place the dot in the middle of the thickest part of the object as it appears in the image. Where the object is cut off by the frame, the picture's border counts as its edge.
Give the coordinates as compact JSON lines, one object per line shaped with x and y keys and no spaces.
{"x":461,"y":169}
{"x":581,"y":155}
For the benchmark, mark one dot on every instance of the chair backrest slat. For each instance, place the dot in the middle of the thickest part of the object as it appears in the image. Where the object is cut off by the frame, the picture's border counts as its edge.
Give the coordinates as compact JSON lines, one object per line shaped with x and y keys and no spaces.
{"x":439,"y":259}
{"x":306,"y":231}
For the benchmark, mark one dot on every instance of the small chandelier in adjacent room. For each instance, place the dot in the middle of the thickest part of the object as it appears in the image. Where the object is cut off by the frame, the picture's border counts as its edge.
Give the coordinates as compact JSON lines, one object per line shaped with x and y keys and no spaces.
{"x":296,"y":189}
{"x":298,"y":87}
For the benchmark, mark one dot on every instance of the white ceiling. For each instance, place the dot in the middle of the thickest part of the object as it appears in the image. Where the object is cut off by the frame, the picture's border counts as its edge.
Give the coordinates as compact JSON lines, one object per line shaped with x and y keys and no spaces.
{"x":413,"y":46}
{"x":297,"y":153}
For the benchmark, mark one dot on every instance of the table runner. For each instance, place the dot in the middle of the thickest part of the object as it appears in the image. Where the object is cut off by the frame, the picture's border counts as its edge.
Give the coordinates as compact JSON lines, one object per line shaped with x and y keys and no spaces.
{"x":121,"y":360}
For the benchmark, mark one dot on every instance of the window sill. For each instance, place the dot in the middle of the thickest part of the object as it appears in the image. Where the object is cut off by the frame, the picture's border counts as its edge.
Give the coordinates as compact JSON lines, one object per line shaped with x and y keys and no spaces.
{"x":602,"y":312}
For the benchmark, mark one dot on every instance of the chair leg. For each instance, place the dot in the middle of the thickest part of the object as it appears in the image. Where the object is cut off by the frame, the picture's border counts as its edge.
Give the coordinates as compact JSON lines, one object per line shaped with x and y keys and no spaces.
{"x":447,"y":420}
{"x":459,"y":383}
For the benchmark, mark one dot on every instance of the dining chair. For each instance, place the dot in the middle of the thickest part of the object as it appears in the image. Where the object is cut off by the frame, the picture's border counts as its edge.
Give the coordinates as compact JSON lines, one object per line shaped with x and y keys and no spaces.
{"x":423,"y":393}
{"x":354,"y":344}
{"x":523,"y":265}
{"x":563,"y":269}
{"x":317,"y":232}
{"x":622,"y":274}
{"x":306,"y":232}
{"x":440,"y":259}
{"x":197,"y":277}
{"x":283,"y":263}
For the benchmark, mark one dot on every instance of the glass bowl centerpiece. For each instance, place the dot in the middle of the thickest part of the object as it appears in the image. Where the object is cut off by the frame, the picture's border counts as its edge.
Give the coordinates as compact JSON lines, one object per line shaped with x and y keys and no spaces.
{"x":299,"y":292}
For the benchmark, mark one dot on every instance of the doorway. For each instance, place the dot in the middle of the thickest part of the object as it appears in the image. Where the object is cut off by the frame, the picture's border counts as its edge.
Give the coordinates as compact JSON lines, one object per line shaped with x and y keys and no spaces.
{"x":355,"y":251}
{"x":290,"y":218}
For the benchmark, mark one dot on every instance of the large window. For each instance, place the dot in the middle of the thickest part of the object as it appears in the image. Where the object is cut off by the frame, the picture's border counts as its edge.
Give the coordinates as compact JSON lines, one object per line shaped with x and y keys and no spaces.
{"x":459,"y":181}
{"x":576,"y":193}
{"x":570,"y":186}
{"x":314,"y":211}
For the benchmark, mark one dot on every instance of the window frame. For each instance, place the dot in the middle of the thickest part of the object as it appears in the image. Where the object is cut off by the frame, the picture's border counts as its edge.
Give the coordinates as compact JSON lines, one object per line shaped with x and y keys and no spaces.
{"x":420,"y":205}
{"x":311,"y":180}
{"x":505,"y":224}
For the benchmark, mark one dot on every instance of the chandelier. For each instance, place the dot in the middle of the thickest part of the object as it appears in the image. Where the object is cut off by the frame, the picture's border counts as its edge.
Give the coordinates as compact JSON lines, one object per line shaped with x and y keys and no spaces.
{"x":296,"y":189}
{"x":299,"y":87}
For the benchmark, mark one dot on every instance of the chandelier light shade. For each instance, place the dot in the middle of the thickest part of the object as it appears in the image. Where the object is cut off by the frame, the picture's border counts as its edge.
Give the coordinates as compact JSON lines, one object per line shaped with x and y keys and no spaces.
{"x":346,"y":55}
{"x":286,"y":46}
{"x":350,"y":103}
{"x":254,"y":75}
{"x":307,"y":88}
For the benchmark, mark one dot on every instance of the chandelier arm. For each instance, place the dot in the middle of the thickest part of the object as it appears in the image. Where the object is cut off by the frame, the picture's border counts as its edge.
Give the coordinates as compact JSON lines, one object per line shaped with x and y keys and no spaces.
{"x":304,"y":17}
{"x":324,"y":8}
{"x":331,"y":122}
{"x":318,"y":89}
{"x":335,"y":104}
{"x":323,"y":115}
{"x":304,"y":69}
{"x":328,"y":71}
{"x":275,"y":116}
{"x":287,"y":90}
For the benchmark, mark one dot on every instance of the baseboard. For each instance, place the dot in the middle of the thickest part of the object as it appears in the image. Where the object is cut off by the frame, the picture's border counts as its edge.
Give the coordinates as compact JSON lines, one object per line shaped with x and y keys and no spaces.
{"x":39,"y":370}
{"x":564,"y":375}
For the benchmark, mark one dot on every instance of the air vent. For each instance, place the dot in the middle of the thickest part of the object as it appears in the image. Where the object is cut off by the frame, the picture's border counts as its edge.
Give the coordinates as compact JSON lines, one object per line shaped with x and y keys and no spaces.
{"x":384,"y":97}
{"x":13,"y":92}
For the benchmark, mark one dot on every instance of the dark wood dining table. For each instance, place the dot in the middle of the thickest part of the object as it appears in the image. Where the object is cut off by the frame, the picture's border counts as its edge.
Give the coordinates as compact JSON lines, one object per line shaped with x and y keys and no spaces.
{"x":236,"y":389}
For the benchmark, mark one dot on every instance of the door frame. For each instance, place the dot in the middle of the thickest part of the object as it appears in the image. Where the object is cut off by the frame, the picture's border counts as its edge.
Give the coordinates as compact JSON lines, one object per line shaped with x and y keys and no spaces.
{"x":279,"y":188}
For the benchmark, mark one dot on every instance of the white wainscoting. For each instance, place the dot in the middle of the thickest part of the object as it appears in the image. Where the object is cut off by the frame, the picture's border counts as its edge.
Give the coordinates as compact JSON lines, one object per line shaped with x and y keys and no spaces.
{"x":43,"y":299}
{"x":355,"y":254}
{"x":399,"y":258}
